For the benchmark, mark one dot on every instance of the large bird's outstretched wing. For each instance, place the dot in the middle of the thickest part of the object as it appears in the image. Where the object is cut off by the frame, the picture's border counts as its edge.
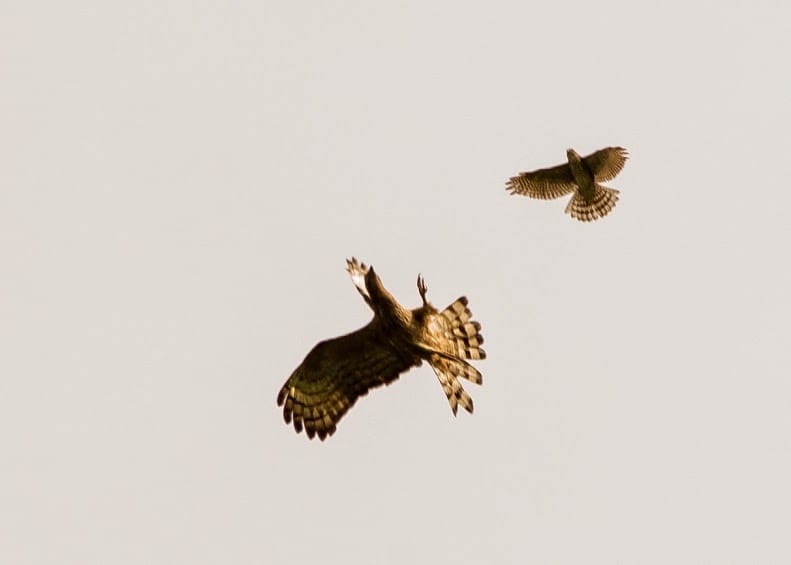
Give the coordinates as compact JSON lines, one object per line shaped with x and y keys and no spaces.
{"x":545,"y":184}
{"x":335,"y":374}
{"x":606,"y":163}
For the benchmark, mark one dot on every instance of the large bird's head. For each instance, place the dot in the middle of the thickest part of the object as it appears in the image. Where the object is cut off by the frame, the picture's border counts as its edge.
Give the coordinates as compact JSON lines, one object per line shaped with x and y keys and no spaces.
{"x":372,"y":281}
{"x":571,"y":154}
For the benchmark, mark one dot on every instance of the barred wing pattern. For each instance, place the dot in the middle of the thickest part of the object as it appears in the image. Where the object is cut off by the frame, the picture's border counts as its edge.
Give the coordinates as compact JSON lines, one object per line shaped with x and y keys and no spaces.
{"x":544,"y":184}
{"x":606,"y":163}
{"x":334,"y":375}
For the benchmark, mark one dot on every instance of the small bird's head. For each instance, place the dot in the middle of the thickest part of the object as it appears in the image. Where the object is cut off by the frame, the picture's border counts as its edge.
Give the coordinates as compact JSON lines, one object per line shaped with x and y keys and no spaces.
{"x":571,"y":154}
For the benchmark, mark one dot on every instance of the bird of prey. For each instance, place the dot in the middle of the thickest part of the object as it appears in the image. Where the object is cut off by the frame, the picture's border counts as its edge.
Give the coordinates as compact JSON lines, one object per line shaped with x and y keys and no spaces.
{"x":581,"y":175}
{"x":338,"y":371}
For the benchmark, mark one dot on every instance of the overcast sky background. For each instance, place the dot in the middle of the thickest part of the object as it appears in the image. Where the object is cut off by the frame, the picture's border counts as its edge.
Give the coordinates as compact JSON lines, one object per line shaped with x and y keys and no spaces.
{"x":181,"y":183}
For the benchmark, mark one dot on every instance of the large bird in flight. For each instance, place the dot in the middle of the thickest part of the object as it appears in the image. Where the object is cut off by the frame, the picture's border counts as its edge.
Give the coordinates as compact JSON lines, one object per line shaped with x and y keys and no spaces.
{"x":338,"y":371}
{"x":581,"y":175}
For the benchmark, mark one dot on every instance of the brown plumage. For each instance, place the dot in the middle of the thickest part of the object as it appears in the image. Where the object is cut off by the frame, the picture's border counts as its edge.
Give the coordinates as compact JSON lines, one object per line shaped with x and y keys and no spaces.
{"x":338,"y":371}
{"x":581,"y":175}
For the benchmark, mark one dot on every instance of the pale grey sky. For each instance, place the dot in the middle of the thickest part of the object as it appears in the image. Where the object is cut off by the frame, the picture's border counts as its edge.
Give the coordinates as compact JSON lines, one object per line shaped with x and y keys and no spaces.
{"x":181,"y":183}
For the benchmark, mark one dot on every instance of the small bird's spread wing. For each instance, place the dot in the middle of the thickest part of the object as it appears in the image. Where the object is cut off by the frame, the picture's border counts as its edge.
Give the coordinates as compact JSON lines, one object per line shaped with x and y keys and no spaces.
{"x":334,"y":374}
{"x":606,"y":163}
{"x":545,"y":184}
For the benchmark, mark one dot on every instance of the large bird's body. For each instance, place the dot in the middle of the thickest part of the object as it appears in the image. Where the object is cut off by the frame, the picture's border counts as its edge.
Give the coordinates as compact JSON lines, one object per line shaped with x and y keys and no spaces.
{"x":582,"y":177}
{"x":338,"y":371}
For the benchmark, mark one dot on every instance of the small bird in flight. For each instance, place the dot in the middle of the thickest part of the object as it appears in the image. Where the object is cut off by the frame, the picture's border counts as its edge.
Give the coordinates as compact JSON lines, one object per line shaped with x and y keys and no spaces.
{"x":338,"y":371}
{"x":581,"y":175}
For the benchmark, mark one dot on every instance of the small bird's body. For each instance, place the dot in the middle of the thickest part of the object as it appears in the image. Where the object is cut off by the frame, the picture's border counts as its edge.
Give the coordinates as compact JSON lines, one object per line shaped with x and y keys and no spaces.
{"x":580,"y":176}
{"x":338,"y":371}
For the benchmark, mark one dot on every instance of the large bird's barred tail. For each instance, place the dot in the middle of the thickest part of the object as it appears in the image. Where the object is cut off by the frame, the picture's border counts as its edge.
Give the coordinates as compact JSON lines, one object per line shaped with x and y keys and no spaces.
{"x":448,"y":371}
{"x":600,"y":205}
{"x":463,"y":332}
{"x":464,"y":340}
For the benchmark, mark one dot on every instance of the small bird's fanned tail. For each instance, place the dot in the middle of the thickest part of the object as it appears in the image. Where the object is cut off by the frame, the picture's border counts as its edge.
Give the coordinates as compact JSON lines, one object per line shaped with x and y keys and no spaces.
{"x":600,"y":205}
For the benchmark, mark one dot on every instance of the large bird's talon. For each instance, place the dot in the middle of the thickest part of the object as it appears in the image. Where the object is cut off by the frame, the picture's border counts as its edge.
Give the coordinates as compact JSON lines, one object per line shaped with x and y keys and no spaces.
{"x":422,"y":289}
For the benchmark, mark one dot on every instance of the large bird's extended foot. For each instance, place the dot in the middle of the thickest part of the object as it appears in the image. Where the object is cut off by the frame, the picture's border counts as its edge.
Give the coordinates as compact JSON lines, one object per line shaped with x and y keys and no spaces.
{"x":422,"y":289}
